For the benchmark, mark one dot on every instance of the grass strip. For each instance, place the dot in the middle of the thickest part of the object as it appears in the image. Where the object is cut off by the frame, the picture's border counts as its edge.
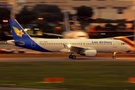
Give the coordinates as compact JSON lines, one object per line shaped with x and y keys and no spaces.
{"x":78,"y":75}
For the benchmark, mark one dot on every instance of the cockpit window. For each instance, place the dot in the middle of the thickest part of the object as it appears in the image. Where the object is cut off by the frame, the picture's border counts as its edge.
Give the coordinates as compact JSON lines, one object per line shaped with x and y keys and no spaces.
{"x":122,"y":43}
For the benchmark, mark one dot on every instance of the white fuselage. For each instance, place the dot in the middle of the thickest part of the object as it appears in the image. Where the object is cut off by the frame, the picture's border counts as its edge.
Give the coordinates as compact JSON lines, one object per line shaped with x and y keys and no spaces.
{"x":100,"y":45}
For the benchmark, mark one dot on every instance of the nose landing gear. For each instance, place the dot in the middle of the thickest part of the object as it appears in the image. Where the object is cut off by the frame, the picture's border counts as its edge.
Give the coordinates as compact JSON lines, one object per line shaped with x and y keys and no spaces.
{"x":114,"y":55}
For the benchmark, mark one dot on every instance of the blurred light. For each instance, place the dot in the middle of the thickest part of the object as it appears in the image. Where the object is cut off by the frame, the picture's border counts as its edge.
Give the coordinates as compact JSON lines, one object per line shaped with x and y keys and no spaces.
{"x":36,"y":28}
{"x":58,"y":28}
{"x":71,"y":20}
{"x":11,"y":2}
{"x":85,"y":19}
{"x":69,"y":45}
{"x":78,"y":24}
{"x":40,"y":18}
{"x":103,"y":33}
{"x":132,"y":80}
{"x":128,"y":20}
{"x":72,"y":27}
{"x":5,"y":21}
{"x":26,"y":29}
{"x":52,"y":80}
{"x":94,"y":18}
{"x":92,"y":29}
{"x":39,"y":33}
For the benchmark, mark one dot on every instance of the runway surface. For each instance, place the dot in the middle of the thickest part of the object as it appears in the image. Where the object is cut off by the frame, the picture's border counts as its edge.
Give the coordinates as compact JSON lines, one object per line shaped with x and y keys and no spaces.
{"x":67,"y":59}
{"x":16,"y":49}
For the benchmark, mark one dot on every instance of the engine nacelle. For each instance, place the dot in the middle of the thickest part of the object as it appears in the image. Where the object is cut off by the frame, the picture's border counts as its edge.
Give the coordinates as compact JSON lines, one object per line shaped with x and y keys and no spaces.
{"x":90,"y":53}
{"x":65,"y":51}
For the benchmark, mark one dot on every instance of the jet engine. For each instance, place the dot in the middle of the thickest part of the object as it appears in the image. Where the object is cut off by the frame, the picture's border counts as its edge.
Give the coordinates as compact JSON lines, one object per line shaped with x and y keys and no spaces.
{"x":90,"y":53}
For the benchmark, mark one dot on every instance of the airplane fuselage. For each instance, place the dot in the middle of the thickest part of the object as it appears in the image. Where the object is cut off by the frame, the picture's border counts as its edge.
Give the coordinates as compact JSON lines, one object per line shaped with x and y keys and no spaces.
{"x":101,"y":45}
{"x":55,"y":45}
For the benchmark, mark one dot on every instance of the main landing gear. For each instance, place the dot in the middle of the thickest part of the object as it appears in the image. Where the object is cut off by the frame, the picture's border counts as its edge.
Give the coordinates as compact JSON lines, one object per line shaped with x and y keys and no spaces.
{"x":72,"y":56}
{"x":114,"y":55}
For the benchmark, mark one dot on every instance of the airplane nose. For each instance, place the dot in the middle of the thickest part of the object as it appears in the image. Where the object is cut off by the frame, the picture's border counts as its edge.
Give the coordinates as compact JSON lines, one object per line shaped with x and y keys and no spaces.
{"x":128,"y":48}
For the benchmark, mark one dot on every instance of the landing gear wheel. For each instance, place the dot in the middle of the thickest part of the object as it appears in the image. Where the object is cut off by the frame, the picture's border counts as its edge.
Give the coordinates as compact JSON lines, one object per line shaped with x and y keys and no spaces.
{"x":70,"y":56}
{"x":73,"y":57}
{"x":113,"y":57}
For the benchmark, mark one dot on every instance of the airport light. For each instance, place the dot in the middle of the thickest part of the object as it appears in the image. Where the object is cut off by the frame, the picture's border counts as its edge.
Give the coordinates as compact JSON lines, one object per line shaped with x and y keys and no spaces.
{"x":71,"y":20}
{"x":5,"y":21}
{"x":40,"y":18}
{"x":25,"y":29}
{"x":72,"y":27}
{"x":58,"y":28}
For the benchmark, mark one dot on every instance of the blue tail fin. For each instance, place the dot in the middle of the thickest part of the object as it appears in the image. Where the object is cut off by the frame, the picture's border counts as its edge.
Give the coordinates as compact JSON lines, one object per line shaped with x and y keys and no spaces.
{"x":17,"y":31}
{"x":22,"y":39}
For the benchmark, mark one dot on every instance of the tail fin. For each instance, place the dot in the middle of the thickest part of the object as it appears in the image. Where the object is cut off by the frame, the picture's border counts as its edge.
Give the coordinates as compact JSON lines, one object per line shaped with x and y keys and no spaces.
{"x":17,"y":31}
{"x":22,"y":39}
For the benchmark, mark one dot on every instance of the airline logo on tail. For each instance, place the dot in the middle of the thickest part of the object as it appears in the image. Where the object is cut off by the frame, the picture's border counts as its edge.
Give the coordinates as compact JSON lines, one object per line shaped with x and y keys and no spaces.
{"x":18,"y":32}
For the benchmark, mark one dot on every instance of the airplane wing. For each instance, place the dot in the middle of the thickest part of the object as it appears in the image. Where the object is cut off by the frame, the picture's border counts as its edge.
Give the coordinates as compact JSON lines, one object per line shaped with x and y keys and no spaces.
{"x":86,"y":51}
{"x":75,"y":49}
{"x":80,"y":49}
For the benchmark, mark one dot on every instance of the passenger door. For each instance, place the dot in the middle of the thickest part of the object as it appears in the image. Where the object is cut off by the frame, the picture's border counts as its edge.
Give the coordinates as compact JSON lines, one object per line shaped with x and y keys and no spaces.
{"x":114,"y":44}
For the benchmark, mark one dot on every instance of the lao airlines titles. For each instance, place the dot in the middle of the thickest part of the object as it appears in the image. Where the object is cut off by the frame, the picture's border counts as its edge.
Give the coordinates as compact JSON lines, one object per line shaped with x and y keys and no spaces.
{"x":102,"y":42}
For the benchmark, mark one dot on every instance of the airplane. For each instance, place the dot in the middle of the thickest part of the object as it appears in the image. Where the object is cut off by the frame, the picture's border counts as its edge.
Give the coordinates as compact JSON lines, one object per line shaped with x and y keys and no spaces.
{"x":68,"y":34}
{"x":86,"y":47}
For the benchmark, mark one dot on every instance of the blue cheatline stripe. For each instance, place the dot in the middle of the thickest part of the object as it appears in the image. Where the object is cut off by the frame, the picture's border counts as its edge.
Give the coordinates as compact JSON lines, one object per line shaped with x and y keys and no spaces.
{"x":24,"y":37}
